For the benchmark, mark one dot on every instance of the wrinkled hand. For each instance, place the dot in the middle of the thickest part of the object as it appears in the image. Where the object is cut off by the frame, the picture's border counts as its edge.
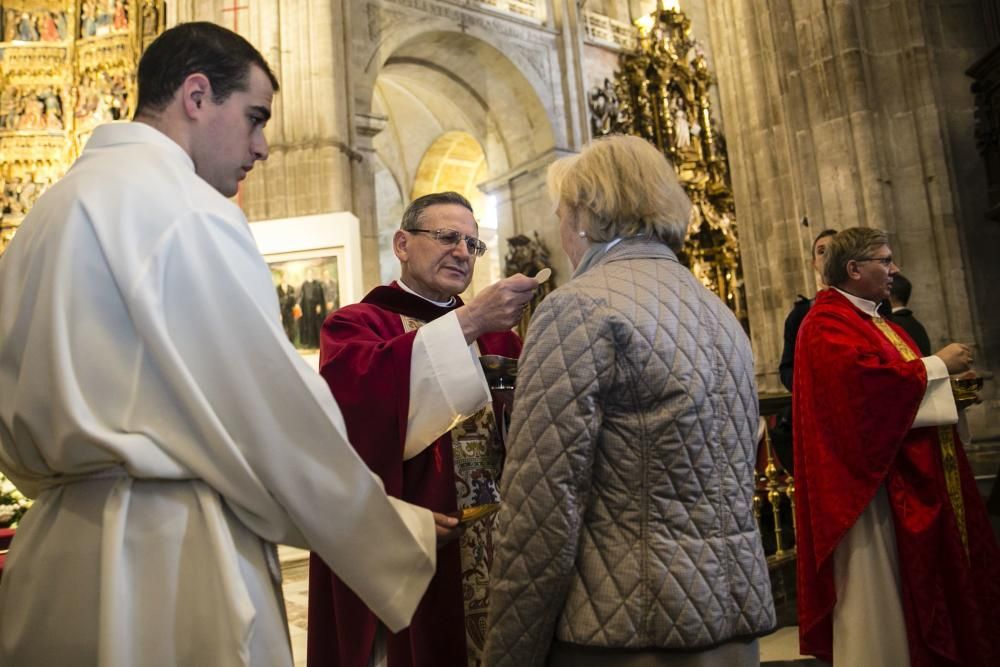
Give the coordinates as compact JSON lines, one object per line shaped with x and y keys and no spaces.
{"x":446,"y":527}
{"x":956,"y":356}
{"x":496,"y":308}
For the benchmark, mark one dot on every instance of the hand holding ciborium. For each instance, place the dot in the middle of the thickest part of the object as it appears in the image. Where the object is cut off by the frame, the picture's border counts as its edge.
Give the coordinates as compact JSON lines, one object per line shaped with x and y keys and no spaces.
{"x":966,"y":388}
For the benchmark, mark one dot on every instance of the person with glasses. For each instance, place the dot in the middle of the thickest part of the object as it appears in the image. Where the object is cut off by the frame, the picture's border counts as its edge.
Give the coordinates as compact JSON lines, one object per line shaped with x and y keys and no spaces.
{"x":404,"y":366}
{"x":897,"y":561}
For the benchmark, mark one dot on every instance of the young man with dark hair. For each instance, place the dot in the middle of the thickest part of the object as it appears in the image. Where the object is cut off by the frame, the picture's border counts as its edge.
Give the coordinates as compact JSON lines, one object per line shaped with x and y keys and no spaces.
{"x":153,"y":406}
{"x":899,"y":297}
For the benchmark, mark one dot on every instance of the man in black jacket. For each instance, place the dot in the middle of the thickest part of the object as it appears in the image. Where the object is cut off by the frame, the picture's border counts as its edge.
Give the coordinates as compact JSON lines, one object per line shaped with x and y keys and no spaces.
{"x":899,"y":295}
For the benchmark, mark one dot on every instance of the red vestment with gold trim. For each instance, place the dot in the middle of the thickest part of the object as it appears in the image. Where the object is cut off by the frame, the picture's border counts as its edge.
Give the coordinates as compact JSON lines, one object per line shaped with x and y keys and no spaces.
{"x":854,"y":401}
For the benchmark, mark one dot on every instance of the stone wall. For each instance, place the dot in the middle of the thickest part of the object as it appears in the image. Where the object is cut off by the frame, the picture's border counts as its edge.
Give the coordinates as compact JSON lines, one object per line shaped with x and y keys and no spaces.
{"x":852,"y":113}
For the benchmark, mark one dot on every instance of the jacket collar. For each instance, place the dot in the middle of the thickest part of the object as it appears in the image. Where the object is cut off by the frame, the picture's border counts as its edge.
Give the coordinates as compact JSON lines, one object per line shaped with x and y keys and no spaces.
{"x":638,"y":247}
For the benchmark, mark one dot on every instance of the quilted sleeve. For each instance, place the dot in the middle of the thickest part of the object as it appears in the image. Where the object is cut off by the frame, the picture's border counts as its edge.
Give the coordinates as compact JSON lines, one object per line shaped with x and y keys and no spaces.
{"x":566,"y":366}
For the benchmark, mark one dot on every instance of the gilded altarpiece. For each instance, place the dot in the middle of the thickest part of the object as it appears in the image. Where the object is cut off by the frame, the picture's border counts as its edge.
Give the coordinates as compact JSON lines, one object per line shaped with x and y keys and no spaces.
{"x":661,"y":93}
{"x":65,"y":67}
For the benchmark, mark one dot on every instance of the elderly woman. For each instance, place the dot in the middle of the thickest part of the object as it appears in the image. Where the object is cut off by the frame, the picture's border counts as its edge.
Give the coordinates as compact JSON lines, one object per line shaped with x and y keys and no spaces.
{"x":628,"y":536}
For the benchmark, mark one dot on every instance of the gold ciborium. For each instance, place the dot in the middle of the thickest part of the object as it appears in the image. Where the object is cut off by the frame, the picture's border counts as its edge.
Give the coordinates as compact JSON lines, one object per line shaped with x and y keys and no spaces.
{"x":966,"y":390}
{"x":501,"y":372}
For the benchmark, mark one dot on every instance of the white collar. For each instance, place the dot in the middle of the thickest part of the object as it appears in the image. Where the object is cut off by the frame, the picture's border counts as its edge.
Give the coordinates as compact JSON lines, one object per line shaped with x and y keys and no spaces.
{"x":136,"y":132}
{"x":440,"y":304}
{"x":867,"y":307}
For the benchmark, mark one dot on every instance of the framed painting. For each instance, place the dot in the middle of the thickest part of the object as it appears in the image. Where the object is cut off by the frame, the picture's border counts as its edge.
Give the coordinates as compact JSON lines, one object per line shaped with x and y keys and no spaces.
{"x":308,"y":287}
{"x":315,"y":263}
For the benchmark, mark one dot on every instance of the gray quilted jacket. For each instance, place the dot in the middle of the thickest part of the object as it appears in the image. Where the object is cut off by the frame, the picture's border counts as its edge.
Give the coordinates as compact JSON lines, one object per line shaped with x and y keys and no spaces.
{"x":627,"y":518}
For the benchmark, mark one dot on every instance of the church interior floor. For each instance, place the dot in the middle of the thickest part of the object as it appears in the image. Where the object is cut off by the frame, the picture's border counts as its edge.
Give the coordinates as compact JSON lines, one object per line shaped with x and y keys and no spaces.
{"x":776,"y":650}
{"x":295,"y":584}
{"x":779,"y":649}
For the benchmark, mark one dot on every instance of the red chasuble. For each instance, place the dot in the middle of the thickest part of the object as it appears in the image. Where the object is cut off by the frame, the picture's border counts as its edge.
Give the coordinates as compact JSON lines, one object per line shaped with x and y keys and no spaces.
{"x":365,"y":358}
{"x":854,"y":401}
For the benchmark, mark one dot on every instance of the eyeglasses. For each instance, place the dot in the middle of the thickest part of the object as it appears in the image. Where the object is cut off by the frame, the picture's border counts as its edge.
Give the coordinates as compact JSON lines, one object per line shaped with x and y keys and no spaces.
{"x":450,"y":237}
{"x":885,"y":261}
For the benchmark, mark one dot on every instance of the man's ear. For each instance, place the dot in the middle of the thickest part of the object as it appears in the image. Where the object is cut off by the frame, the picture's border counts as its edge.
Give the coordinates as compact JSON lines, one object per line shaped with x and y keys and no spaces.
{"x":196,"y":93}
{"x":400,"y":243}
{"x":853,"y":269}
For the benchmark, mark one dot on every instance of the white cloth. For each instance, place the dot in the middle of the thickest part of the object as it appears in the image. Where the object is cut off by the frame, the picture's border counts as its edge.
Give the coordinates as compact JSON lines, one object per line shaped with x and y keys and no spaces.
{"x":440,"y":304}
{"x":937,"y":407}
{"x":446,"y":386}
{"x":869,"y":629}
{"x":169,"y":432}
{"x":866,"y":563}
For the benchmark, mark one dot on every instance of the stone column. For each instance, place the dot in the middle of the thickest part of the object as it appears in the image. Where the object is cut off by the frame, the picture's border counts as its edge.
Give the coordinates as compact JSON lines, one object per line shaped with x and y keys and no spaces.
{"x":845,"y":113}
{"x":309,"y":169}
{"x":363,"y":194}
{"x":567,"y":19}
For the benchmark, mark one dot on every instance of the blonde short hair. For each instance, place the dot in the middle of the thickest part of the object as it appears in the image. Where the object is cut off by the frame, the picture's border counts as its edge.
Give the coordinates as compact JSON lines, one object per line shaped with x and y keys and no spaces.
{"x":622,"y":186}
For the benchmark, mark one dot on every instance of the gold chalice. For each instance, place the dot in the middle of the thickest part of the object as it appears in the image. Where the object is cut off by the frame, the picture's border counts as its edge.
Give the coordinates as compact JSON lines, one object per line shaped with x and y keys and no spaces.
{"x":501,"y":372}
{"x":966,"y":390}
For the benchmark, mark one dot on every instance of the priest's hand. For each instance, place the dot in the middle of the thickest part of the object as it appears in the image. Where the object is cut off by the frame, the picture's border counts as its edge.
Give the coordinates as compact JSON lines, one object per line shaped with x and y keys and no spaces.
{"x":956,"y":357}
{"x":496,"y":308}
{"x":446,"y":527}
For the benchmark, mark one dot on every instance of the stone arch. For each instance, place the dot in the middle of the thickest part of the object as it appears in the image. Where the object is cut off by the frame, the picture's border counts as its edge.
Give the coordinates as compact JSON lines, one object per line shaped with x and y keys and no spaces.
{"x":422,"y":81}
{"x":506,"y":75}
{"x":459,"y":82}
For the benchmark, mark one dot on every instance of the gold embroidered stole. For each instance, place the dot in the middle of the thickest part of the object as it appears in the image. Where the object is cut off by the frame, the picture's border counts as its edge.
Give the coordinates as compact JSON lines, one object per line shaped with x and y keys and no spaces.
{"x":953,"y":480}
{"x":478,"y":460}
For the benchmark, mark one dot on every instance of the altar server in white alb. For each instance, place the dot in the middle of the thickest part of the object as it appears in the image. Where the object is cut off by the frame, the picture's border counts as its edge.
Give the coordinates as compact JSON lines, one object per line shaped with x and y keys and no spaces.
{"x":152,"y":405}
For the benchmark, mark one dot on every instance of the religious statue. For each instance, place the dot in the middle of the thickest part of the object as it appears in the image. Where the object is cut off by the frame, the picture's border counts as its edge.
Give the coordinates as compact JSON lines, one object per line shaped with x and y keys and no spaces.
{"x":26,"y":30}
{"x":8,"y":108}
{"x":49,"y":31}
{"x":9,"y":25}
{"x":682,"y":132}
{"x":529,"y":256}
{"x":662,"y":93}
{"x":120,"y":21}
{"x":88,"y":18}
{"x":604,"y":109}
{"x":33,"y":117}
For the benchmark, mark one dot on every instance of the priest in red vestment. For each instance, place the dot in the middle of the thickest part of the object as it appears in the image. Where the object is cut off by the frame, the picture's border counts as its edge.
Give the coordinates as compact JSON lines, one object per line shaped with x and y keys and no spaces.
{"x":403,"y":365}
{"x":897,"y":562}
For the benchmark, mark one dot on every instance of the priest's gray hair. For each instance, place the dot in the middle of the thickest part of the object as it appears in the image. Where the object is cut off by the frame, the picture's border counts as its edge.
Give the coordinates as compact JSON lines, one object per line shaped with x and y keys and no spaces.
{"x":851,"y":244}
{"x":622,"y":186}
{"x":411,"y":216}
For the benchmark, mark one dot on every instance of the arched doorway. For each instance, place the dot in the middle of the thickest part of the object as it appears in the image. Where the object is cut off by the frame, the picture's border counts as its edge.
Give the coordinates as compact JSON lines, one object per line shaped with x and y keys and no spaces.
{"x":461,"y":115}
